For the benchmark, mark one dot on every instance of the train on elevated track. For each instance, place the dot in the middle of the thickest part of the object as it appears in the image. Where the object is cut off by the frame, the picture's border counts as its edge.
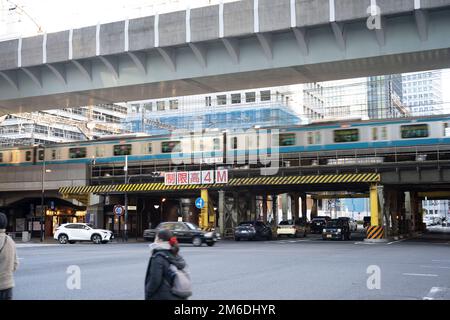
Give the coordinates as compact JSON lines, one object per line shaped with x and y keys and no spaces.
{"x":221,"y":145}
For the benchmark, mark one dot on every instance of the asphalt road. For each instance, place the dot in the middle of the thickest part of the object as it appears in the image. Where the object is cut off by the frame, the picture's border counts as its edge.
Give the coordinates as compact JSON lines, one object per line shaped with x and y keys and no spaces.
{"x":288,"y":269}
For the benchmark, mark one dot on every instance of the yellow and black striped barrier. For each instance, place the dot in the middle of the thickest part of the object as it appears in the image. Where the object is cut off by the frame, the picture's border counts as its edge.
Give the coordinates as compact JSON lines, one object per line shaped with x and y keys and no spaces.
{"x":375,"y":232}
{"x":233,"y":182}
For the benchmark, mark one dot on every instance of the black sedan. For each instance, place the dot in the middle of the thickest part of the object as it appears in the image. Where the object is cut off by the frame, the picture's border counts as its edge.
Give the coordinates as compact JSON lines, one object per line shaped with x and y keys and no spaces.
{"x":318,"y":223}
{"x":252,"y":230}
{"x":337,"y":229}
{"x":185,"y":232}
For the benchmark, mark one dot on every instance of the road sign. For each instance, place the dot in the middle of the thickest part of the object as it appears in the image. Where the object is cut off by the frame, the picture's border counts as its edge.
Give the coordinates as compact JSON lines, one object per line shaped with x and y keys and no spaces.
{"x":118,"y":210}
{"x":199,"y":203}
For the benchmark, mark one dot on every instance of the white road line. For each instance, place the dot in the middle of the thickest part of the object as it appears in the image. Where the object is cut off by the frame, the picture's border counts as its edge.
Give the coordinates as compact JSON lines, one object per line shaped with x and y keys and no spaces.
{"x":420,"y":274}
{"x":396,"y":241}
{"x":433,"y":293}
{"x":440,"y":260}
{"x":436,"y":267}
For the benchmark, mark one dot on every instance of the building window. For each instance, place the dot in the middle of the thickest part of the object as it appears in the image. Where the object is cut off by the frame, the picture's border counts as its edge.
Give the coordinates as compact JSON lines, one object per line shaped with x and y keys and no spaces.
{"x":208,"y":101}
{"x":265,"y":95}
{"x":160,"y":105}
{"x":250,"y":97}
{"x":236,"y":98}
{"x":221,"y":100}
{"x":173,"y":104}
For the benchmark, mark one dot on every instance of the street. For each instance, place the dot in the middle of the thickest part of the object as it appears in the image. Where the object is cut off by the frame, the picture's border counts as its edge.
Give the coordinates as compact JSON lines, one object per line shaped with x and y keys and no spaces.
{"x":283,"y":269}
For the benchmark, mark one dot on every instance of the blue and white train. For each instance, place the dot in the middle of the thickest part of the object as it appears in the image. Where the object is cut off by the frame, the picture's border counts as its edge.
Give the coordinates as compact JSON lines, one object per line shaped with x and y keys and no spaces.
{"x":327,"y":136}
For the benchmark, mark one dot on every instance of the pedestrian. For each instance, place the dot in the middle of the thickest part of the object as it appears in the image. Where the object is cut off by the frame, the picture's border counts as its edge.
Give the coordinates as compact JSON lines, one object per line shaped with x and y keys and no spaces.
{"x":8,"y":260}
{"x":159,"y":277}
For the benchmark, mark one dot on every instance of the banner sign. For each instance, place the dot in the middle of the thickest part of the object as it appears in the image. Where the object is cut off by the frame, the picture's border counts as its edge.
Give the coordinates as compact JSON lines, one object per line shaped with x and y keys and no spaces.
{"x":196,"y":177}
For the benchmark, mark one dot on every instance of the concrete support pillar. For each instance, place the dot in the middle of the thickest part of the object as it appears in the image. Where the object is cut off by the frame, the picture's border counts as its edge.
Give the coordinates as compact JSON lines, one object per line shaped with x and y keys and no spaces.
{"x":284,"y":206}
{"x":295,"y":197}
{"x":253,"y":215}
{"x":264,"y":208}
{"x":235,"y":215}
{"x":221,"y":209}
{"x":314,"y":209}
{"x":304,"y":205}
{"x":374,"y":211}
{"x":275,"y":209}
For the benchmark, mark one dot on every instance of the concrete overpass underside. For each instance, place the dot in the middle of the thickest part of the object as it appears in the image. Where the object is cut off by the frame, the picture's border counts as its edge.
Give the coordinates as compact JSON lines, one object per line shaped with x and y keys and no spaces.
{"x":247,"y":44}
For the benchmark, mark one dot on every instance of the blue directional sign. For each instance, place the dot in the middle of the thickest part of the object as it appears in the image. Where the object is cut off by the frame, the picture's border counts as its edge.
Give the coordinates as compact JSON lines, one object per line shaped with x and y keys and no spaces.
{"x":118,"y":210}
{"x":199,"y":203}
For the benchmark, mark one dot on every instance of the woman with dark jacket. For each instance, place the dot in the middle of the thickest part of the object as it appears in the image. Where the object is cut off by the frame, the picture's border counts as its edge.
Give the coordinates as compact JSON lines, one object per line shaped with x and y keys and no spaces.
{"x":163,"y":252}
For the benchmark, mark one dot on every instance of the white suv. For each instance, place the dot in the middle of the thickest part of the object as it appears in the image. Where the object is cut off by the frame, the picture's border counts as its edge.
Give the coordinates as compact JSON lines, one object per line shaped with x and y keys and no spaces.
{"x":72,"y":232}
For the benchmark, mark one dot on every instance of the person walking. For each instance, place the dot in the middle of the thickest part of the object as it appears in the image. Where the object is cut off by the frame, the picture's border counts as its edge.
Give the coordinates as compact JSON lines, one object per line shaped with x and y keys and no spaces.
{"x":159,"y":276}
{"x":8,"y":261}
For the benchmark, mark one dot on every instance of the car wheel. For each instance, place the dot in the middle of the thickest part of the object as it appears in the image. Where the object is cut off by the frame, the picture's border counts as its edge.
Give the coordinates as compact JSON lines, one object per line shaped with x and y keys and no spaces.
{"x":304,"y":234}
{"x":210,"y":244}
{"x":197,"y":241}
{"x":71,"y":242}
{"x":96,"y":239}
{"x":63,"y":239}
{"x":237,"y":239}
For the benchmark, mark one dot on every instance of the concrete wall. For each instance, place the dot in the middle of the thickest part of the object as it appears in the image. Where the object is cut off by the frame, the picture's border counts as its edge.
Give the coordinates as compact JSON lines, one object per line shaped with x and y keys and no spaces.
{"x":238,"y":18}
{"x":141,"y":33}
{"x":312,"y":12}
{"x":391,"y":7}
{"x":434,"y":3}
{"x":57,"y":46}
{"x":83,"y":42}
{"x":172,"y":29}
{"x":274,"y":15}
{"x":112,"y":38}
{"x":32,"y":51}
{"x":8,"y":54}
{"x":30,"y":178}
{"x":205,"y":23}
{"x":351,"y":9}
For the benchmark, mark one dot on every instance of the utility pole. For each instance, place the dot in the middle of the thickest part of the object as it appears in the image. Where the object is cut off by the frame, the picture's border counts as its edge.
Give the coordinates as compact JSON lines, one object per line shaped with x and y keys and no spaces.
{"x":42,"y":192}
{"x":125,"y":238}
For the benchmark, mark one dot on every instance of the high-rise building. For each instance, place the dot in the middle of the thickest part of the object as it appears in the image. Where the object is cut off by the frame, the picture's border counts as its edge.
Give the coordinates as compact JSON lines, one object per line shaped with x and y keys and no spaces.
{"x":226,"y":110}
{"x":422,"y":92}
{"x":384,"y":97}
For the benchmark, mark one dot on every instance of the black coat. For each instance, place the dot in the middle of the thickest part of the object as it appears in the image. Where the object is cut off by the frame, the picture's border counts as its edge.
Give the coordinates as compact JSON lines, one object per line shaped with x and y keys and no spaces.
{"x":157,"y":279}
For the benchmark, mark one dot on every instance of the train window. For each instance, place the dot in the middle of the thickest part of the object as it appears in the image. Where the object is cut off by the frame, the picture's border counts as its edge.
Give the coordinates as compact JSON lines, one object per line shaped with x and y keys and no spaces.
{"x":383,"y":133}
{"x":122,"y":150}
{"x":216,"y":144}
{"x":414,"y":131}
{"x":77,"y":153}
{"x":99,"y":152}
{"x":374,"y":134}
{"x":53,"y":154}
{"x":234,"y":143}
{"x":41,"y":155}
{"x":347,"y":135}
{"x":313,"y":138}
{"x":1,"y":157}
{"x":287,"y":139}
{"x":446,"y":130}
{"x":149,"y":148}
{"x":170,"y":146}
{"x":28,"y":156}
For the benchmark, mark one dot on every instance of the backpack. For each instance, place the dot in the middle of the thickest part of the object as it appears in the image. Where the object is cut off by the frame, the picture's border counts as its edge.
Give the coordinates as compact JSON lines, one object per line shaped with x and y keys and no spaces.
{"x":181,"y":282}
{"x":181,"y":285}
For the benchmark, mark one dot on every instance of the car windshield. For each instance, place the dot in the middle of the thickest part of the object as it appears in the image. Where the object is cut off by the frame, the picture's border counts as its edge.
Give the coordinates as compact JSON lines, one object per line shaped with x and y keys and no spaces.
{"x":246,"y":223}
{"x":90,"y":225}
{"x":192,"y":226}
{"x":286,"y":223}
{"x":333,"y":224}
{"x":318,"y":219}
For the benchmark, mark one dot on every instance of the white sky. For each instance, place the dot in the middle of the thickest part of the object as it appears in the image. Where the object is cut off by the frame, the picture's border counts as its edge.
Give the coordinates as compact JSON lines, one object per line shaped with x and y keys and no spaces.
{"x":57,"y":15}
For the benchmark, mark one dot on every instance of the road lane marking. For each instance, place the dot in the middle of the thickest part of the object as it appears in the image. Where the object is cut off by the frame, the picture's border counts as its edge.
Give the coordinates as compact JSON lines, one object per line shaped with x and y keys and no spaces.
{"x":440,"y":260}
{"x":436,"y":267}
{"x":396,"y":241}
{"x":436,"y":292}
{"x":420,"y":274}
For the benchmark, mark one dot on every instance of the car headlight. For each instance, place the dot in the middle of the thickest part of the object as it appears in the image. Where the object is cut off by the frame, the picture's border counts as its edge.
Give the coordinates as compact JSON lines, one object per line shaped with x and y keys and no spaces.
{"x":209,"y":234}
{"x":324,"y":230}
{"x":339,"y":230}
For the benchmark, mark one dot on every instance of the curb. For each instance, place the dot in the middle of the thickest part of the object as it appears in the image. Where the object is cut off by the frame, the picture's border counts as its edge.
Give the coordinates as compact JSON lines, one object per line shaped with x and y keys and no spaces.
{"x":376,"y":240}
